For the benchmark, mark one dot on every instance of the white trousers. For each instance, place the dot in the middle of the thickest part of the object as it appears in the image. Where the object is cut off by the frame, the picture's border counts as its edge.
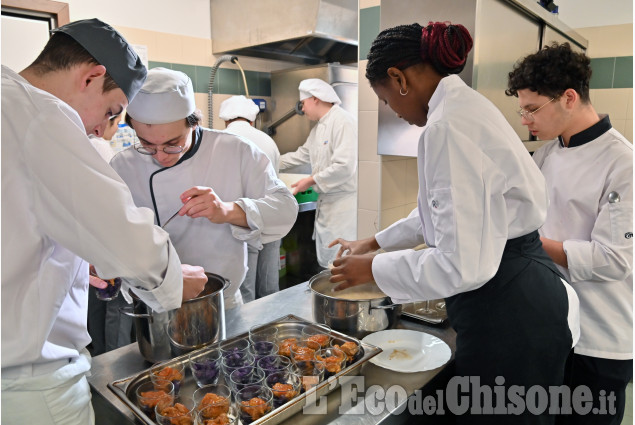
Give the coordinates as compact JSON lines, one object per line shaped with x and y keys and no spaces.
{"x":61,"y":397}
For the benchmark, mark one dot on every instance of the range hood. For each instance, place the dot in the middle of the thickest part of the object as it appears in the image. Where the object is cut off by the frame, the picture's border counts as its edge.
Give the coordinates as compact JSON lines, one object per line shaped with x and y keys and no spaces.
{"x":301,"y":31}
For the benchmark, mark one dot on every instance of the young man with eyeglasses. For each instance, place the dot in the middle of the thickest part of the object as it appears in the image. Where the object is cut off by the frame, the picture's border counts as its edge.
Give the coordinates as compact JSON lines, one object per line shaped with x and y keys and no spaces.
{"x":588,"y":168}
{"x":223,"y":187}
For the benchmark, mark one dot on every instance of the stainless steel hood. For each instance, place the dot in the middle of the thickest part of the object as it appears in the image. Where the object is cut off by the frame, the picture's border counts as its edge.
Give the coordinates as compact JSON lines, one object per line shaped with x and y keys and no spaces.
{"x":300,"y":31}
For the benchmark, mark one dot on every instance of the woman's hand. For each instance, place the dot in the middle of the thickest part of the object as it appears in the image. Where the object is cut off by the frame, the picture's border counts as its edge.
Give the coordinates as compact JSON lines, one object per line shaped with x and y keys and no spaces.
{"x":362,"y":246}
{"x":202,"y":201}
{"x":352,"y":270}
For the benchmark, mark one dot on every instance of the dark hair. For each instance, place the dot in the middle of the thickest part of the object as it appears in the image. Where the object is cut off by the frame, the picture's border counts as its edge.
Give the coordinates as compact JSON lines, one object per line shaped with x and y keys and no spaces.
{"x":192,"y":120}
{"x":551,"y":71}
{"x":442,"y":44}
{"x":62,"y":52}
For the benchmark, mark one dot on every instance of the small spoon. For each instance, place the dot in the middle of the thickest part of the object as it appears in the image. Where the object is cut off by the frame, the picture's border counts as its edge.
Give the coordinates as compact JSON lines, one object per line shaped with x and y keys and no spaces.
{"x":614,"y":197}
{"x":170,"y":219}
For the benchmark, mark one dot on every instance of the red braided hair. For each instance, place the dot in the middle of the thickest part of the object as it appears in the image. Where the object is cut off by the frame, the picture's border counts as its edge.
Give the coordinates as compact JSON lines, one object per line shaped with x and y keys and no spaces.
{"x":445,"y":45}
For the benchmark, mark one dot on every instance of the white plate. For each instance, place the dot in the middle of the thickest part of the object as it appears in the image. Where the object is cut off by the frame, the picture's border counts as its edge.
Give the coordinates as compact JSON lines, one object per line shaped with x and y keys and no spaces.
{"x":408,"y":351}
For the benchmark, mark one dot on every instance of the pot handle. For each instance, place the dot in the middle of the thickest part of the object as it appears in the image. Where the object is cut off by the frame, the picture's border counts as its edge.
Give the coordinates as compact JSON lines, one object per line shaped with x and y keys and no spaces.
{"x":128,"y":312}
{"x":384,"y":307}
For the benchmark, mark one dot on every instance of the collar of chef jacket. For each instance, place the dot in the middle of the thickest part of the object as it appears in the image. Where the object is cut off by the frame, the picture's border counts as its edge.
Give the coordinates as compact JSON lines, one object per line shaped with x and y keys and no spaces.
{"x":590,"y":134}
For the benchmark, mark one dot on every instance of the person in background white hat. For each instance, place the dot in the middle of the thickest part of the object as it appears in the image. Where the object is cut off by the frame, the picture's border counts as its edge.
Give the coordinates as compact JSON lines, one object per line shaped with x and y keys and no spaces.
{"x":62,"y":207}
{"x":331,"y":149}
{"x":224,"y":188}
{"x":239,"y":114}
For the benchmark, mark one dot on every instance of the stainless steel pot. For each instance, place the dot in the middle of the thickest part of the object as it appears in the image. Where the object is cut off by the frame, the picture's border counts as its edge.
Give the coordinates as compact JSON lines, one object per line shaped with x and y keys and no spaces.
{"x":199,"y":322}
{"x":356,"y":318}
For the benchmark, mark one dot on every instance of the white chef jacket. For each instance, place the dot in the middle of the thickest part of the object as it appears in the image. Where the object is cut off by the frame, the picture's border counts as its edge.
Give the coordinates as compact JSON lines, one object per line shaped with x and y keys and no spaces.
{"x":237,"y":171}
{"x":597,"y":235}
{"x":331,"y":149}
{"x":60,"y":203}
{"x":478,"y":187}
{"x":103,"y":147}
{"x":258,"y":138}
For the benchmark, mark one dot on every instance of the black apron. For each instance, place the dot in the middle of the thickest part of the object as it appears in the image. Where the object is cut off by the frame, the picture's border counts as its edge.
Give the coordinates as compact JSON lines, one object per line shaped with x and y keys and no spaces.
{"x":514,"y":326}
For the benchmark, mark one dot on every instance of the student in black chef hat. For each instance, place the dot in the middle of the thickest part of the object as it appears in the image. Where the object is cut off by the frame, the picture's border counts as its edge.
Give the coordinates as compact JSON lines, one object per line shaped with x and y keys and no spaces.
{"x":62,"y":207}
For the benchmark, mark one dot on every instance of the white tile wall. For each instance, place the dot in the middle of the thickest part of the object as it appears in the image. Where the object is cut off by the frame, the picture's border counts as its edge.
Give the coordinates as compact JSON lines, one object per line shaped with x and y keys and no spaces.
{"x":393,"y":184}
{"x":367,"y":223}
{"x":369,"y":182}
{"x":368,"y":136}
{"x":614,"y":102}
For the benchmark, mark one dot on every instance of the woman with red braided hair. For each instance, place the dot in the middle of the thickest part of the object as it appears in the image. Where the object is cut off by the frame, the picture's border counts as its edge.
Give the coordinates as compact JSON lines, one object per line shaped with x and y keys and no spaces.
{"x":481,"y":201}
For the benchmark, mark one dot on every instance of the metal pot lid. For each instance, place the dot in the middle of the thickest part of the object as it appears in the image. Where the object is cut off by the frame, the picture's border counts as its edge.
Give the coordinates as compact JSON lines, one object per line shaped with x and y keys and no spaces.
{"x":365,"y":292}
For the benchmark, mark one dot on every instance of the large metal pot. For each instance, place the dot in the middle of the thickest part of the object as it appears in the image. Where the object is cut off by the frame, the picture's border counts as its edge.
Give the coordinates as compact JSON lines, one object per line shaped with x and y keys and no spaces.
{"x":199,"y":322}
{"x":356,"y":318}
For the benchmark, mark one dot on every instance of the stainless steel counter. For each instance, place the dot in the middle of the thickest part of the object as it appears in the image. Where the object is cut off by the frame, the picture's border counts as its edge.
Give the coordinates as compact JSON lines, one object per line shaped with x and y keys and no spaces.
{"x":340,"y":409}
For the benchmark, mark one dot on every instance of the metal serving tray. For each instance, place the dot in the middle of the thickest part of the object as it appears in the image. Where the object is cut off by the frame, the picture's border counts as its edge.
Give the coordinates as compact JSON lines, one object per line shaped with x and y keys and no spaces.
{"x":439,"y":316}
{"x":288,"y":327}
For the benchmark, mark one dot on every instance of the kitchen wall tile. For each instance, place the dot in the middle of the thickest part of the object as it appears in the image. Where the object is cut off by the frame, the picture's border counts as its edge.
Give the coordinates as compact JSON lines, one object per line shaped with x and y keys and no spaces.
{"x":201,"y":103}
{"x":412,"y":180}
{"x":368,"y":29}
{"x":603,"y":70}
{"x":169,"y":48}
{"x":197,"y":51}
{"x":608,"y":41}
{"x":367,"y":136}
{"x":619,"y":125}
{"x":367,"y":98}
{"x":368,"y":3}
{"x":367,"y":223}
{"x":628,"y":130}
{"x":611,"y":101}
{"x":393,"y":184}
{"x":139,"y":36}
{"x":202,"y":79}
{"x":368,"y":186}
{"x":629,"y":104}
{"x":389,"y":158}
{"x":190,"y":70}
{"x":228,"y":81}
{"x":252,"y":83}
{"x":154,"y":64}
{"x":264,"y":82}
{"x":391,"y":215}
{"x":410,"y":207}
{"x":623,"y":72}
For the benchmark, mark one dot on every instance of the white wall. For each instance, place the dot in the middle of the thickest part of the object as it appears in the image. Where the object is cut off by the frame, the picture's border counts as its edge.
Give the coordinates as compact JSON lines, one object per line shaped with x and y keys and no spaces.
{"x":183,"y":17}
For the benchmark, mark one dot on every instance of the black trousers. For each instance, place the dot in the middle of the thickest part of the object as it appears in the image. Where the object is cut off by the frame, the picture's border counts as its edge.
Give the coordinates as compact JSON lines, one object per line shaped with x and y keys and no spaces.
{"x":602,"y":377}
{"x":512,"y":331}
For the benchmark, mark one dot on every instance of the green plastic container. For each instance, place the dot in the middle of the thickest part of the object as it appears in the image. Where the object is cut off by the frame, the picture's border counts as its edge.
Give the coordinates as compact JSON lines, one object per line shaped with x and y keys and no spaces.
{"x":308,"y":195}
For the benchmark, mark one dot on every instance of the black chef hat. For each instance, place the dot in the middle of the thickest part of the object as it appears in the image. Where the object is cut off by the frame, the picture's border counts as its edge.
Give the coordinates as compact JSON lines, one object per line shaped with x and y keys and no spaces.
{"x":111,"y":50}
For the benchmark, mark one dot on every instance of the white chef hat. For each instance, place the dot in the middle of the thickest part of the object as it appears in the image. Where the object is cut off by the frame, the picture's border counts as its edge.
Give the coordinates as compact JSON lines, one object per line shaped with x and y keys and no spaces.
{"x":165,"y":97}
{"x":318,"y":88}
{"x":238,"y":107}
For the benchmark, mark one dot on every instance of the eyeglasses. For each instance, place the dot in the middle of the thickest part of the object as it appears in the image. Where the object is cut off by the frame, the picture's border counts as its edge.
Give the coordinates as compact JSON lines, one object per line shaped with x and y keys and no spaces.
{"x":529,"y":115}
{"x":152,"y":151}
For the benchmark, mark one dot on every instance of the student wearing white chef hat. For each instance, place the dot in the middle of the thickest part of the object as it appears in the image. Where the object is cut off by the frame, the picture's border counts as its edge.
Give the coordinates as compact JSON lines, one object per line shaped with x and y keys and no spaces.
{"x":66,"y":207}
{"x":224,"y":188}
{"x":331,"y":150}
{"x":239,"y":114}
